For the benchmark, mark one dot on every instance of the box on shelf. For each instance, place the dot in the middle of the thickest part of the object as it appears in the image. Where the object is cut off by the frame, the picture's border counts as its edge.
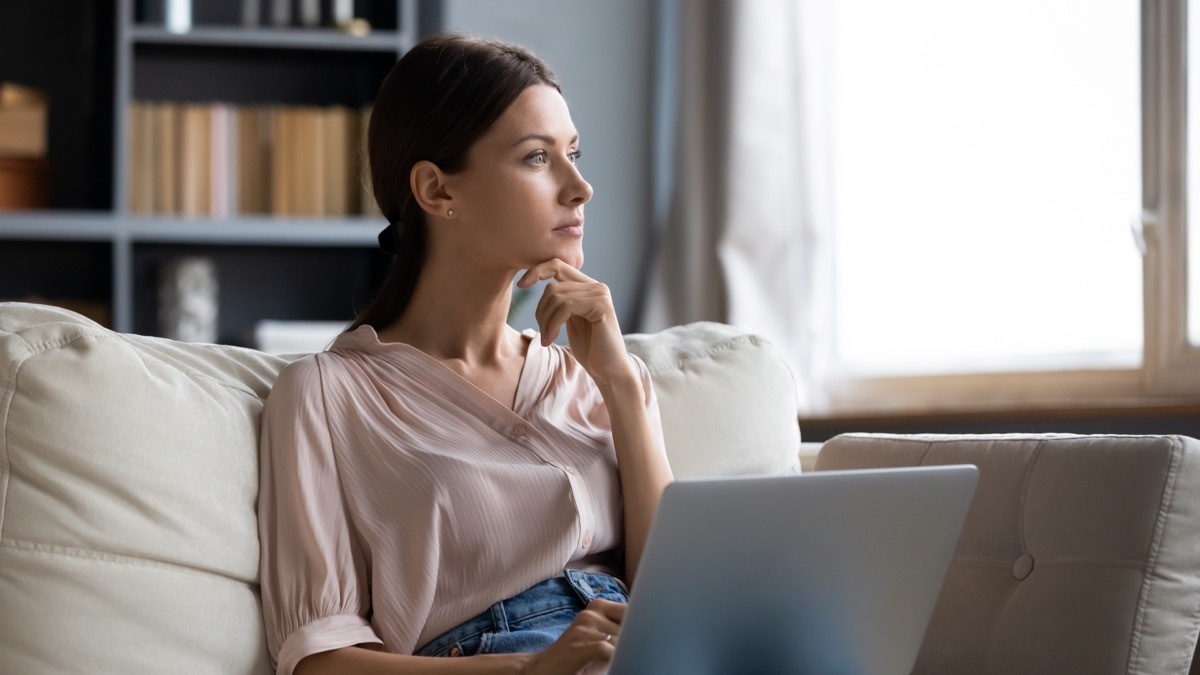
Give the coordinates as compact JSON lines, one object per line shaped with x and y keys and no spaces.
{"x":22,"y":121}
{"x":24,"y":183}
{"x":296,"y":337}
{"x":24,"y":171}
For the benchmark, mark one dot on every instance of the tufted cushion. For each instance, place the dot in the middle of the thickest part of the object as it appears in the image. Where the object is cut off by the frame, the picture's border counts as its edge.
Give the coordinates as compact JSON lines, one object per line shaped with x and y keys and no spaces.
{"x":1079,"y":553}
{"x":727,"y":400}
{"x":129,"y":480}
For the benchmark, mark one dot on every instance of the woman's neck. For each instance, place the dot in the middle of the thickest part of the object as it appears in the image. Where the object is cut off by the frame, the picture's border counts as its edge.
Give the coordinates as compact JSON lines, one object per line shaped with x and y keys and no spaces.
{"x":458,"y":314}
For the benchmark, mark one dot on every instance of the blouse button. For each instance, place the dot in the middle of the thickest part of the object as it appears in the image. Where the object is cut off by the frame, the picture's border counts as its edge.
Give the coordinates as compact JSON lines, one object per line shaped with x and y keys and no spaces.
{"x":520,"y":430}
{"x":571,"y":470}
{"x":587,"y":540}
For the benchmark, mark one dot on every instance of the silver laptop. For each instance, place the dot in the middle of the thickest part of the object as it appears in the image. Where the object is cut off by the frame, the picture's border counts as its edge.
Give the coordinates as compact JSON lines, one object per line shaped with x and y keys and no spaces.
{"x":825,"y":573}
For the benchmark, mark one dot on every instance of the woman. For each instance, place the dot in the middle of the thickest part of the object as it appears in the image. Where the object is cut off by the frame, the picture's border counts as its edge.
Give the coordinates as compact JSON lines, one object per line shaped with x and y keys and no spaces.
{"x":438,"y":484}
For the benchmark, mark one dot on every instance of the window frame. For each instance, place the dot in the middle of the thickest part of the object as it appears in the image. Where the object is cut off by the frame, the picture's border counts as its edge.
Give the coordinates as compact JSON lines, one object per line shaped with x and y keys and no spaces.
{"x":1170,"y":367}
{"x":1171,"y":363}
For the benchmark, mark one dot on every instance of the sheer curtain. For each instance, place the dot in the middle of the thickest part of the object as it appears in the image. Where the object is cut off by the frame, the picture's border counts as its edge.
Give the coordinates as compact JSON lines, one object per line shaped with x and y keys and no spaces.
{"x":742,"y":229}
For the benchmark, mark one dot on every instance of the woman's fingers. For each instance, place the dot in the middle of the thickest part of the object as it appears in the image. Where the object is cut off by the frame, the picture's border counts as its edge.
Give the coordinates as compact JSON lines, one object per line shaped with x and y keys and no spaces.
{"x":611,"y":610}
{"x":585,"y":306}
{"x":598,"y":626}
{"x":553,"y":268}
{"x":604,"y":617}
{"x":559,"y":302}
{"x":588,"y":642}
{"x":565,"y":300}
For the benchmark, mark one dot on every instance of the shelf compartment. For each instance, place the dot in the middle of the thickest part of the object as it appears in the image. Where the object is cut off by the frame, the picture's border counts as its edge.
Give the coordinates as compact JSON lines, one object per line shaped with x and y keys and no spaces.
{"x":264,"y":282}
{"x":246,"y":76}
{"x":76,"y":275}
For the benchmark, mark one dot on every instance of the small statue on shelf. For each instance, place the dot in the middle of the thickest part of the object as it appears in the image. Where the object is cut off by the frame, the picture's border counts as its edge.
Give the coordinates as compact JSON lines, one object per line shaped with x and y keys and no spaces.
{"x":187,"y":300}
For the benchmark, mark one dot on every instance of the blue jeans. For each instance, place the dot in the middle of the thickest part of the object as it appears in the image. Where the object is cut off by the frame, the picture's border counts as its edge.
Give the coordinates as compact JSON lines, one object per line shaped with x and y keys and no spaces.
{"x":530,"y":621}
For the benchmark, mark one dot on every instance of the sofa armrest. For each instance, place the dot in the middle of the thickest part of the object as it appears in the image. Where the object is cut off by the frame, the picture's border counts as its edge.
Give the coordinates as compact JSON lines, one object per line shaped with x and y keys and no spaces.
{"x":808,"y":456}
{"x":1078,"y":555}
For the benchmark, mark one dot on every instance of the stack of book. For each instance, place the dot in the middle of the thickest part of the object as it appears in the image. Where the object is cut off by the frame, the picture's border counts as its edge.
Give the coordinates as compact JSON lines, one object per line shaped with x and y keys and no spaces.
{"x":221,"y":161}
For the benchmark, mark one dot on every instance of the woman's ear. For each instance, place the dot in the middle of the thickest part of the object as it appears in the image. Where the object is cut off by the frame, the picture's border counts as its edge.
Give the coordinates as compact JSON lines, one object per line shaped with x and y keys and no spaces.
{"x":429,"y":187}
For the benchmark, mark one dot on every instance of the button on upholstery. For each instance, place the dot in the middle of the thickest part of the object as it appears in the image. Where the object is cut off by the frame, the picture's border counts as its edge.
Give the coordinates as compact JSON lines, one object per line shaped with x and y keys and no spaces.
{"x":1023,"y":566}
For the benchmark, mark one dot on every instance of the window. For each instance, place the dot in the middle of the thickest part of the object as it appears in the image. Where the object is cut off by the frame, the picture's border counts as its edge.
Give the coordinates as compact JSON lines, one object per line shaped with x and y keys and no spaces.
{"x":996,"y":167}
{"x":1193,"y":180}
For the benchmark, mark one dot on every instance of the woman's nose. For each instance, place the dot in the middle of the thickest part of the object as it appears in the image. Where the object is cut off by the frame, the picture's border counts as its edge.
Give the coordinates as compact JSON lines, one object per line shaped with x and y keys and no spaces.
{"x":577,"y":190}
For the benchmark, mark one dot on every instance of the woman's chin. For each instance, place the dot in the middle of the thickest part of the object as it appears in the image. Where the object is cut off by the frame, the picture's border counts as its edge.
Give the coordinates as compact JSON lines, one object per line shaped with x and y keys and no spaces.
{"x":573,"y":255}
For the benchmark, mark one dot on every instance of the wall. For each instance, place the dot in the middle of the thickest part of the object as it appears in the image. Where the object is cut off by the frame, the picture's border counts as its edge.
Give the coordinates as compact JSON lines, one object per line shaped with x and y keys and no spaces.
{"x":601,"y":53}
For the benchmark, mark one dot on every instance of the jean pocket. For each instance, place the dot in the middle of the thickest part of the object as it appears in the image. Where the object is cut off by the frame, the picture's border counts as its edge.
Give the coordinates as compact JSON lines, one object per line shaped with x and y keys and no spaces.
{"x":596,"y":585}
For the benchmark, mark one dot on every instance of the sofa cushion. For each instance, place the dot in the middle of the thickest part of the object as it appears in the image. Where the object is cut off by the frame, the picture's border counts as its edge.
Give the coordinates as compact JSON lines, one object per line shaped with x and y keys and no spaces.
{"x":727,"y":400}
{"x":1078,"y":555}
{"x":128,"y":487}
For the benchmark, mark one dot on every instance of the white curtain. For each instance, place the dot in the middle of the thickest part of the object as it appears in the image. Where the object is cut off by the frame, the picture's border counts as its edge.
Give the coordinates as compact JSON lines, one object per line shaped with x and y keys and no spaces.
{"x":744,"y":235}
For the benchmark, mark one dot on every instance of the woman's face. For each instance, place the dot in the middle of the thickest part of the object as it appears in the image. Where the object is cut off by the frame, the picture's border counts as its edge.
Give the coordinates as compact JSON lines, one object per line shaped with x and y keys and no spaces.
{"x":519,"y":201}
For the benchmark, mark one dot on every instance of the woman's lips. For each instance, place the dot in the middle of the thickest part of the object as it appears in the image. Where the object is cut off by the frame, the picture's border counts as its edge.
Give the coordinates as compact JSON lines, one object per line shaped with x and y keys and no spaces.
{"x":571,"y":229}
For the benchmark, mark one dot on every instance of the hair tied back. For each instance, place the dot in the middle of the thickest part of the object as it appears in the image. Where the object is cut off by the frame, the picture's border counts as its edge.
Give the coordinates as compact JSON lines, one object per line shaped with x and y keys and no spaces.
{"x":389,"y":238}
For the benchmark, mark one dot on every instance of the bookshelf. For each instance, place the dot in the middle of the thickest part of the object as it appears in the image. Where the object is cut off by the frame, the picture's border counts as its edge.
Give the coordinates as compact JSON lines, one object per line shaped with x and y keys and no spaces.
{"x":268,"y":266}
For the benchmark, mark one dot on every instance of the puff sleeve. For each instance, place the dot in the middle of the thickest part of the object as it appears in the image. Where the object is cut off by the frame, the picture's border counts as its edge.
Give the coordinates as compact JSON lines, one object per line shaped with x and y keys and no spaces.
{"x":315,"y":586}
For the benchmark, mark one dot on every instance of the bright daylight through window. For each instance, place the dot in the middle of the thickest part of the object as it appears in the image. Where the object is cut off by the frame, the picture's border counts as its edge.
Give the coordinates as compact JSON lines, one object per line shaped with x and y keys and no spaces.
{"x":987,"y":170}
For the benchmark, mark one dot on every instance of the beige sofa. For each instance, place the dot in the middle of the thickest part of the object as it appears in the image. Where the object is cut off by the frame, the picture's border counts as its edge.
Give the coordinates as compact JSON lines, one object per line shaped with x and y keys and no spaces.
{"x":128,"y":480}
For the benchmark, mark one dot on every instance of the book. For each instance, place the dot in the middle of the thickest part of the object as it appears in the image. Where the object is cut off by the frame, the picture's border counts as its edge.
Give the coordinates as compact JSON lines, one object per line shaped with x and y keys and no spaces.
{"x":141,"y":158}
{"x":336,"y":178}
{"x":251,"y":11}
{"x":281,"y":13}
{"x":282,"y":159}
{"x":253,"y":157}
{"x":310,"y":13}
{"x":307,"y":172}
{"x":220,"y":167}
{"x":164,"y":119}
{"x":195,"y":167}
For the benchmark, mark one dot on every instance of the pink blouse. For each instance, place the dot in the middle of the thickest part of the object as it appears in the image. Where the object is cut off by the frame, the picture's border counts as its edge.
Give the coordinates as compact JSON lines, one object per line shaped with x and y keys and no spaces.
{"x":398,"y":500}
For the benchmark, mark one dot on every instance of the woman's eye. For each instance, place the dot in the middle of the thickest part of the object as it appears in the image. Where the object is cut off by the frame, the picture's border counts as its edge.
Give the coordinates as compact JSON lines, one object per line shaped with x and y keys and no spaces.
{"x":538,"y":157}
{"x":574,"y":156}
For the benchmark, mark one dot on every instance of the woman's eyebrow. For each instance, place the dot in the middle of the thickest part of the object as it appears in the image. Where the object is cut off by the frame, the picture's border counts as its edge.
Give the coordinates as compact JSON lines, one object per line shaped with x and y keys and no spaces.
{"x":545,"y":138}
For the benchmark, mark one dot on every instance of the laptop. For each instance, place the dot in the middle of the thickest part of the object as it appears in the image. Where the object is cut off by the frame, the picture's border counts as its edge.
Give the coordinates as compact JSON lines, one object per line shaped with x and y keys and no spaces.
{"x":824,"y":573}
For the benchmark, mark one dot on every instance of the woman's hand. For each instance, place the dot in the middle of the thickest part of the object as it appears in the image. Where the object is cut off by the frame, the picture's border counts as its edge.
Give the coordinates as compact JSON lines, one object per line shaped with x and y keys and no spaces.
{"x":586,"y":646}
{"x":585,"y":307}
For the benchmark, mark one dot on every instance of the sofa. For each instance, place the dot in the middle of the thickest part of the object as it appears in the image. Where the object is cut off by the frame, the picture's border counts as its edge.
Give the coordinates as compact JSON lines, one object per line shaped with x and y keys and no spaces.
{"x":128,"y":483}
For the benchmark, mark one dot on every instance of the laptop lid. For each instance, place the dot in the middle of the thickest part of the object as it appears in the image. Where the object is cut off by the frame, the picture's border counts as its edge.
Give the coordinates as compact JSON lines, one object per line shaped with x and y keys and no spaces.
{"x":828,"y":572}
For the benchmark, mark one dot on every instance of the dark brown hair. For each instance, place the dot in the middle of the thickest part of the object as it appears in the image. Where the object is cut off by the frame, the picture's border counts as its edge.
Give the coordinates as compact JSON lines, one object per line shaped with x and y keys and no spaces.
{"x":435,"y":103}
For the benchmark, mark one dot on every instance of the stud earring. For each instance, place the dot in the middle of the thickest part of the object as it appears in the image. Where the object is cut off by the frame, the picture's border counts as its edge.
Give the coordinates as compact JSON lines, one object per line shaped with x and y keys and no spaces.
{"x":450,"y":213}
